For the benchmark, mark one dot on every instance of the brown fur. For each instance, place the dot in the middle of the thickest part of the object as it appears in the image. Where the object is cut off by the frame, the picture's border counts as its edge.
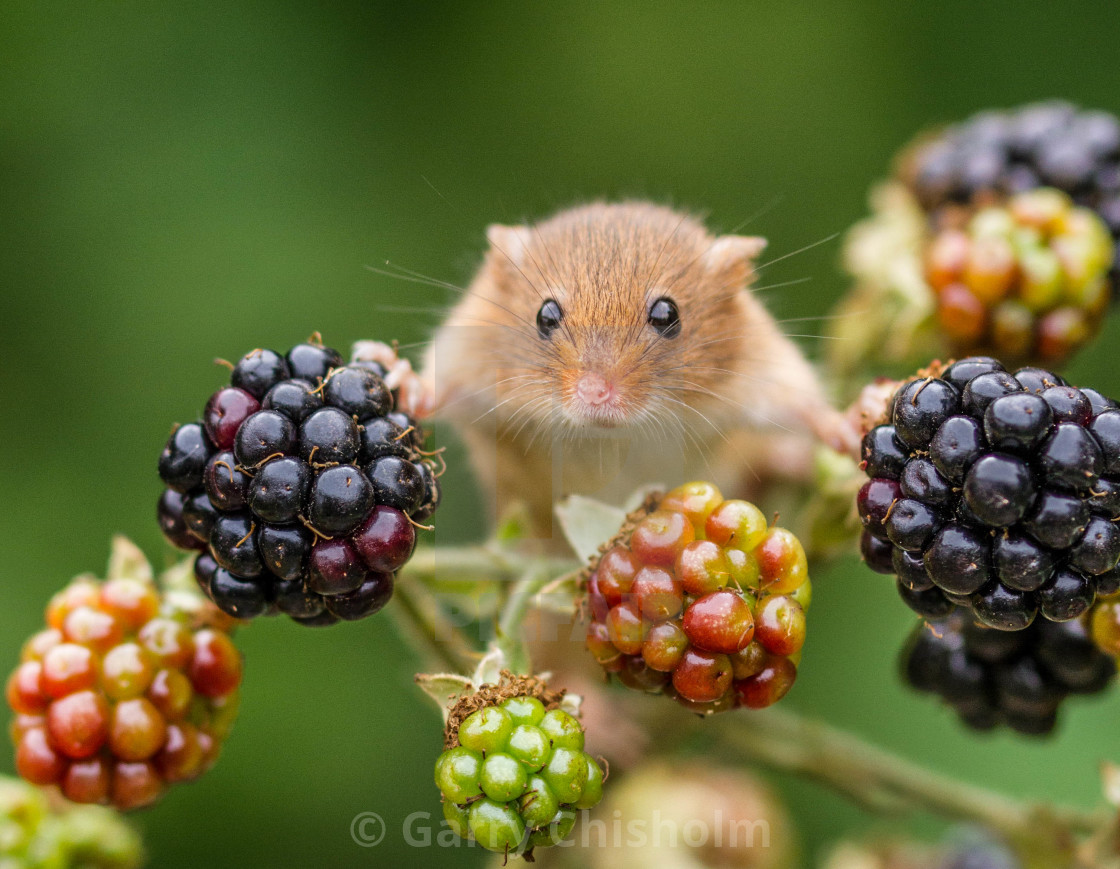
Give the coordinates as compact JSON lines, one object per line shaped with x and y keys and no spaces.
{"x":688,"y":404}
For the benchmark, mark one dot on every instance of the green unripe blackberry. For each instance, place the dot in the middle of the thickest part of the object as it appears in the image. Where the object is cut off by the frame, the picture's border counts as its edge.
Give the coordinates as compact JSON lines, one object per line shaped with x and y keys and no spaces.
{"x":514,"y":771}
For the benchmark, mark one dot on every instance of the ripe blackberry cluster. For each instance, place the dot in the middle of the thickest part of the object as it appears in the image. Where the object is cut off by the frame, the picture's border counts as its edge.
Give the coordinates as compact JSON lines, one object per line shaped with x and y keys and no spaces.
{"x":996,"y":492}
{"x":302,"y":485}
{"x":702,"y":601}
{"x":994,"y":677}
{"x":514,"y":775}
{"x":1027,"y":279}
{"x":123,"y":694}
{"x":38,"y":833}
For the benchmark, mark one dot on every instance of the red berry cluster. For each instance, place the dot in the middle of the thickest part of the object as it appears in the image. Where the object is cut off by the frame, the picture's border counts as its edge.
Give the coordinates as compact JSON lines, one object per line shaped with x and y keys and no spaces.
{"x":122,"y":694}
{"x":1027,"y":279}
{"x":704,"y":602}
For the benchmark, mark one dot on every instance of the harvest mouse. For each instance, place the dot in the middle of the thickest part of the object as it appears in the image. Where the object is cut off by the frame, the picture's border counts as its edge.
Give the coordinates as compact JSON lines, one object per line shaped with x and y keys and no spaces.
{"x":617,"y":345}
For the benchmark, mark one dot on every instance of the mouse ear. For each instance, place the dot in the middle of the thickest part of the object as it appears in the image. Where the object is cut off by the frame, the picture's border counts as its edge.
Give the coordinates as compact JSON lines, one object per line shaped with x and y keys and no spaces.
{"x":730,"y":253}
{"x":509,"y":242}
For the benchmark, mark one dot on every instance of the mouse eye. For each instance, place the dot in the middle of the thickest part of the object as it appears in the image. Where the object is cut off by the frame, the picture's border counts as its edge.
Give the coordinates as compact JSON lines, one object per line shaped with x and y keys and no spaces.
{"x":548,"y":318}
{"x":665,"y":318}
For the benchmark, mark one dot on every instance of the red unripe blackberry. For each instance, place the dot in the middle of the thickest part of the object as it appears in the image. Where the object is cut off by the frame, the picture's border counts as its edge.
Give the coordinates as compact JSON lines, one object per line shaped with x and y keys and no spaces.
{"x":699,"y":598}
{"x":130,"y":691}
{"x":302,"y":485}
{"x":1003,"y":500}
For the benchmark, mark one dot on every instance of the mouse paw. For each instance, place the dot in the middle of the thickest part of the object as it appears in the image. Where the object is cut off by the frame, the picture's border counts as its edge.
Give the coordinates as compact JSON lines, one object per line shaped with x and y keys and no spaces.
{"x":416,"y":395}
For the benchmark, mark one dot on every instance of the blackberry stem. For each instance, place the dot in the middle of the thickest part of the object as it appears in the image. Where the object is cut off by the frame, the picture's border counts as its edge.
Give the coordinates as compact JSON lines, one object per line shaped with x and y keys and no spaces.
{"x":885,"y":783}
{"x":427,"y":623}
{"x":517,"y":605}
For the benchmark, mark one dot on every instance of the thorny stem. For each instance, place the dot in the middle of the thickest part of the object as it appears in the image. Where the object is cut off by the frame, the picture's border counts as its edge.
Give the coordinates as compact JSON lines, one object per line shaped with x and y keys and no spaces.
{"x":886,"y":783}
{"x":871,"y":776}
{"x":427,"y":621}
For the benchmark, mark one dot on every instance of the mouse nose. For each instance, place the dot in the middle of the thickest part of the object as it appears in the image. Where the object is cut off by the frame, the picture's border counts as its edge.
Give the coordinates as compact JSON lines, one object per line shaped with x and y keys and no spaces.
{"x":593,"y":389}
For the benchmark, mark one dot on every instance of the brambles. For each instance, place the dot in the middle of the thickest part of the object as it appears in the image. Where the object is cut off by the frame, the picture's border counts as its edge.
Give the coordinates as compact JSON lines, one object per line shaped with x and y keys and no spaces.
{"x":994,"y":491}
{"x":38,"y":833}
{"x":515,"y":774}
{"x":1027,"y":280}
{"x":993,"y":678}
{"x":998,"y":235}
{"x":303,"y":483}
{"x":701,"y":600}
{"x":126,"y":690}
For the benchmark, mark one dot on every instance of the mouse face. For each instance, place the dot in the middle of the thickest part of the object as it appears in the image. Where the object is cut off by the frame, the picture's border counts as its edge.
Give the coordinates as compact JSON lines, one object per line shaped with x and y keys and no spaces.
{"x":612,"y":316}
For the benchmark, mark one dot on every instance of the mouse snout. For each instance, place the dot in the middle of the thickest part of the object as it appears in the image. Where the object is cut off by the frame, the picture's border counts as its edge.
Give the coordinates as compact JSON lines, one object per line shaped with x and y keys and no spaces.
{"x":594,"y":390}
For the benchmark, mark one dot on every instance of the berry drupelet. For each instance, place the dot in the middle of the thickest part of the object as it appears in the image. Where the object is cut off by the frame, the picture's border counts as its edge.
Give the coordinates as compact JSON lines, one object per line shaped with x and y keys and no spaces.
{"x":514,"y":773}
{"x":992,"y":677}
{"x":996,"y":492}
{"x":701,"y":600}
{"x":126,"y":690}
{"x":303,"y":485}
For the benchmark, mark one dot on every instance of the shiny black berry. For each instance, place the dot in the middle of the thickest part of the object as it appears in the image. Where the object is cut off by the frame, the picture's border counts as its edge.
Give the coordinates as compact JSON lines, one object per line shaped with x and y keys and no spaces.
{"x":365,"y":600}
{"x":328,"y":435}
{"x":396,"y":483}
{"x":958,"y":443}
{"x":1071,"y":458}
{"x":169,"y":512}
{"x":922,"y":481}
{"x":184,"y":457}
{"x":357,"y":392}
{"x":1002,"y":608}
{"x":199,"y":513}
{"x":278,"y":491}
{"x":1098,"y":550}
{"x":312,"y":361}
{"x":911,"y":524}
{"x":958,"y":559}
{"x":1058,"y":520}
{"x":383,"y":437}
{"x":1106,"y":429}
{"x":1066,"y":596}
{"x":999,"y":490}
{"x":293,"y":398}
{"x":233,"y":543}
{"x":983,"y":390}
{"x":226,"y":483}
{"x":1017,"y":423}
{"x":960,"y":373}
{"x":341,"y":497}
{"x":883,"y":453}
{"x":238,"y":597}
{"x":258,"y":371}
{"x":285,"y":549}
{"x":920,"y":408}
{"x":910,"y":569}
{"x":929,"y":603}
{"x":1020,"y":562}
{"x":267,"y":433}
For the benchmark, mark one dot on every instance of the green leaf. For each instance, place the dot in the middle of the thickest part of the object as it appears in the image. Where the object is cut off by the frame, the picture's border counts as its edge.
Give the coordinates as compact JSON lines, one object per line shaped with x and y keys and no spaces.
{"x":588,"y":523}
{"x":444,"y":688}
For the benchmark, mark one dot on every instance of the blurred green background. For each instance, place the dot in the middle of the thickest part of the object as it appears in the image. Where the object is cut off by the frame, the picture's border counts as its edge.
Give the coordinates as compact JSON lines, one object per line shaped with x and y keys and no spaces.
{"x":186,"y":181}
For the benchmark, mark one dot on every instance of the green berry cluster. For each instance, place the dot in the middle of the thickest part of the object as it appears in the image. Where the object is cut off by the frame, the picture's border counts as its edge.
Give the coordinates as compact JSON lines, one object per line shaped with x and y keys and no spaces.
{"x":517,"y":776}
{"x":34,"y":834}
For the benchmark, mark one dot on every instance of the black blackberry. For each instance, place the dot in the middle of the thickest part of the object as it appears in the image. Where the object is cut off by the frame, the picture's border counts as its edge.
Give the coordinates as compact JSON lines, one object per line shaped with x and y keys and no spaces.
{"x":302,"y":486}
{"x":994,"y":678}
{"x":993,"y":155}
{"x":991,"y":490}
